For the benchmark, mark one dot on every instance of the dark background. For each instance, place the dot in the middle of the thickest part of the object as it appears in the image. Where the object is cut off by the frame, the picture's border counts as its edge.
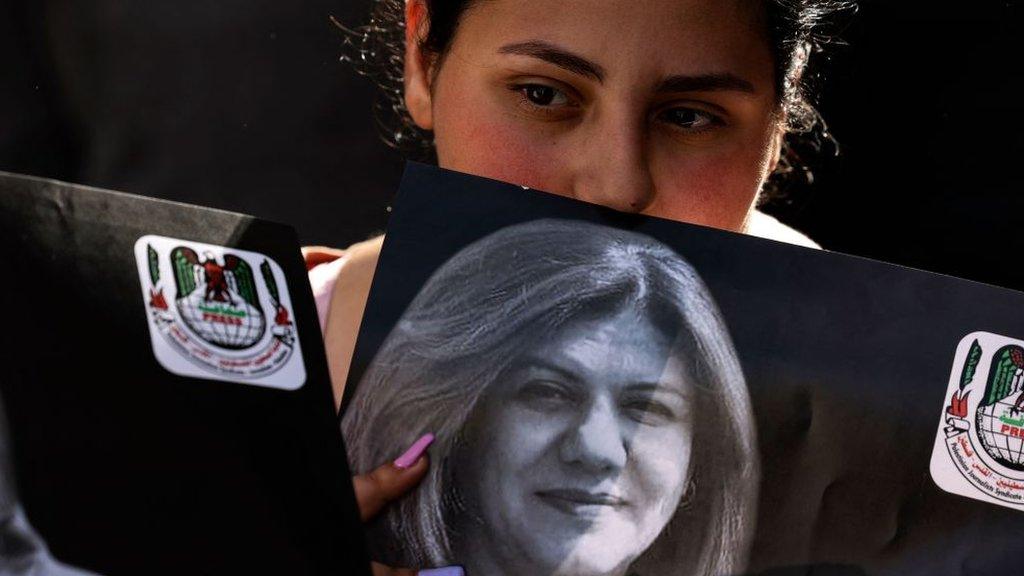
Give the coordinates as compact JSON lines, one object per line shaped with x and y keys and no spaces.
{"x":244,"y":105}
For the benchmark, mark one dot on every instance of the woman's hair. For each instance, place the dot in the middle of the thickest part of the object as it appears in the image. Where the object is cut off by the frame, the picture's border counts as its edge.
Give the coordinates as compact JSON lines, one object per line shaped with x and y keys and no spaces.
{"x":798,"y":30}
{"x":476,"y":314}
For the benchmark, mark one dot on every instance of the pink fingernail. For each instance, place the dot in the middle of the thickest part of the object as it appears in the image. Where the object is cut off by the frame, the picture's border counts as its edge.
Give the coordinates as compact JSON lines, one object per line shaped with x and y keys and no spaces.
{"x":446,"y":571}
{"x":415,"y":451}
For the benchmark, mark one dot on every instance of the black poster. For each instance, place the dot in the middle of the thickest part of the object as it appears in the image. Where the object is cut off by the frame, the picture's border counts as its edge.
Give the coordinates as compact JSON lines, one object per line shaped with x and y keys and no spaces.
{"x":616,"y":394}
{"x":167,"y":403}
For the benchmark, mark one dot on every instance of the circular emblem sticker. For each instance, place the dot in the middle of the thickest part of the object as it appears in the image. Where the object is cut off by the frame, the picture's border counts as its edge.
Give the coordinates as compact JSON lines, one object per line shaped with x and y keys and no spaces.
{"x":219,"y":313}
{"x":979,"y":447}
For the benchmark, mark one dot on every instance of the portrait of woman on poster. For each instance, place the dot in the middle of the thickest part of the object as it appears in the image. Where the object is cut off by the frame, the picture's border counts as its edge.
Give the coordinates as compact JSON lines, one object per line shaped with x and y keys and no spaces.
{"x":590,"y":413}
{"x":690,"y":110}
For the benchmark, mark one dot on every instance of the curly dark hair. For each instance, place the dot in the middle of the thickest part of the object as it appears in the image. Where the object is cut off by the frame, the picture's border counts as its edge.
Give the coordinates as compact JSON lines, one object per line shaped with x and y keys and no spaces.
{"x":800,"y":31}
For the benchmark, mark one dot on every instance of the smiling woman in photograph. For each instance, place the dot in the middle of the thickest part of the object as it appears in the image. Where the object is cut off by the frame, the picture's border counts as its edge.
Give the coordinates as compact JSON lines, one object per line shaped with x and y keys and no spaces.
{"x":591,"y":416}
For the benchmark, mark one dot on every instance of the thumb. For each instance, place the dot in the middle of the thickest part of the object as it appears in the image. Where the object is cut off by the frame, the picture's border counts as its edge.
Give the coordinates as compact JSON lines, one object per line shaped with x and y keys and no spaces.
{"x":377,"y":488}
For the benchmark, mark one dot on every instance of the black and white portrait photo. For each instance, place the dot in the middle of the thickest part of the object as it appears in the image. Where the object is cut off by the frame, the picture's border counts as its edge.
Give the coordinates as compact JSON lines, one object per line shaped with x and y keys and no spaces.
{"x":619,"y":395}
{"x":590,"y":412}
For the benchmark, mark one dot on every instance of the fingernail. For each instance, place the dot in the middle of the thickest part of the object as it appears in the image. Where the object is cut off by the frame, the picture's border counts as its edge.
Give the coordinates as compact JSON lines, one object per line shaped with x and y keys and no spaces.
{"x":414,"y":452}
{"x":446,"y":571}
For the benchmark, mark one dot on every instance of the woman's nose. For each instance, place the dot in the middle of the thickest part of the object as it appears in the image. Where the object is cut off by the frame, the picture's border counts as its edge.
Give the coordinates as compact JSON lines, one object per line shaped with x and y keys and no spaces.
{"x":612,"y":167}
{"x":597,"y":443}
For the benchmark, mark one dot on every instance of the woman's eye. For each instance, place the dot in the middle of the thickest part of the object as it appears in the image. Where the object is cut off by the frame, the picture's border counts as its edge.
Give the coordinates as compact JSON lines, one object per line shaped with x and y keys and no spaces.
{"x":690,"y":119}
{"x":649,"y":412}
{"x":545,"y":394}
{"x":542,"y":95}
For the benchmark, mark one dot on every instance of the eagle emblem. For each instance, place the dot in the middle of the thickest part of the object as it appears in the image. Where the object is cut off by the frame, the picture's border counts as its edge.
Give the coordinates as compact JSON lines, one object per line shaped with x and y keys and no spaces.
{"x":979,"y":449}
{"x":224,"y":319}
{"x":219,"y":302}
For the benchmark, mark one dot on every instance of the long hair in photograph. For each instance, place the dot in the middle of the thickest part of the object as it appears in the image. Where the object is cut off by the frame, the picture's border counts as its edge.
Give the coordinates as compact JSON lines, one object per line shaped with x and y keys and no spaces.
{"x":493,"y":298}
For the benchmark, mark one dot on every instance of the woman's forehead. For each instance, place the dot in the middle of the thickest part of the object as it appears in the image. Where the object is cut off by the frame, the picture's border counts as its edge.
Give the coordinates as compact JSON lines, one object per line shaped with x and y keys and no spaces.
{"x":664,"y":36}
{"x":623,"y":347}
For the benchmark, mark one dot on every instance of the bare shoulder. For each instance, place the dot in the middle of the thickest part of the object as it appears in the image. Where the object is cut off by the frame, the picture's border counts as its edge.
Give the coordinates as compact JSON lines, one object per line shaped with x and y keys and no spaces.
{"x":348,"y":299}
{"x":764,"y":226}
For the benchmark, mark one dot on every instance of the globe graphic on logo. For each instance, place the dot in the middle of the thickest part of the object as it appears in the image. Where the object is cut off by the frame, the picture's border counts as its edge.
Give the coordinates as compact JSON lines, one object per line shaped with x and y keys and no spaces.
{"x":1000,"y":428}
{"x":233,"y":324}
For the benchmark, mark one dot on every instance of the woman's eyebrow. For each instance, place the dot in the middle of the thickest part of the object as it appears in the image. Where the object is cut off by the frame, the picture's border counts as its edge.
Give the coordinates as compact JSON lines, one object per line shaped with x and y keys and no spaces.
{"x":538,"y":362}
{"x":705,"y":83}
{"x":556,"y":55}
{"x":649,"y":389}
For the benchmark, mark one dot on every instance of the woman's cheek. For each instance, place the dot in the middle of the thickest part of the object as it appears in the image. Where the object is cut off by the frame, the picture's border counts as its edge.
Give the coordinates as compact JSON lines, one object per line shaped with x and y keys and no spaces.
{"x":529,"y":437}
{"x":503,"y":147}
{"x":709,"y":187}
{"x":662,"y":459}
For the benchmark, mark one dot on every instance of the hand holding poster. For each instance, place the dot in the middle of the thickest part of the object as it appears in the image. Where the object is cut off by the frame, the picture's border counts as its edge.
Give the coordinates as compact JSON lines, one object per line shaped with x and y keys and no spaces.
{"x":587,"y":399}
{"x":625,"y":395}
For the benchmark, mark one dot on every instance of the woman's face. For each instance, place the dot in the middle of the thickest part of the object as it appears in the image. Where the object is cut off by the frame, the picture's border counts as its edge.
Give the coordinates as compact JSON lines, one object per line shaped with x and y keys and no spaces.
{"x":664,"y":107}
{"x":579,"y":453}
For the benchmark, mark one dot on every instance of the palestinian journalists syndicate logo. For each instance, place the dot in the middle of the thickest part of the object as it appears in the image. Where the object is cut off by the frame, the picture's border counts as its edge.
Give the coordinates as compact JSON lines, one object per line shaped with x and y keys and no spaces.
{"x":219,"y":313}
{"x":979,"y":447}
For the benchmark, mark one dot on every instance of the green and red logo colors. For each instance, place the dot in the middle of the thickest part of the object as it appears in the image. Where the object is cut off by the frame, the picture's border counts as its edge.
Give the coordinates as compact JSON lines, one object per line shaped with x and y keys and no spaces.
{"x":979,"y":447}
{"x":219,"y":313}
